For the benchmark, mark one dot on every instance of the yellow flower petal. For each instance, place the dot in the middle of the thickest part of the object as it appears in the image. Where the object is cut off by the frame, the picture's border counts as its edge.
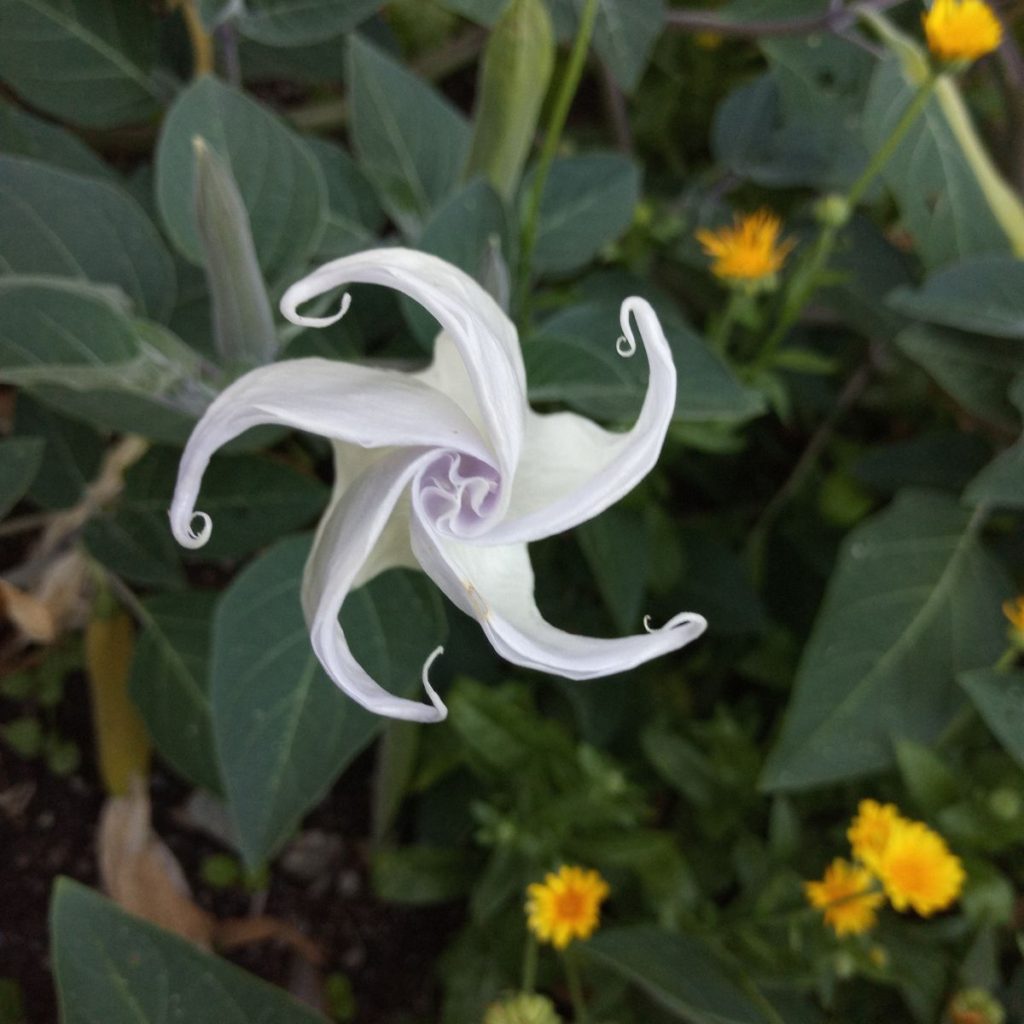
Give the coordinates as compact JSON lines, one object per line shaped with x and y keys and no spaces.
{"x":870,"y":830}
{"x":749,"y":251}
{"x":847,"y":898}
{"x":918,"y":871}
{"x":566,"y":905}
{"x":959,"y":30}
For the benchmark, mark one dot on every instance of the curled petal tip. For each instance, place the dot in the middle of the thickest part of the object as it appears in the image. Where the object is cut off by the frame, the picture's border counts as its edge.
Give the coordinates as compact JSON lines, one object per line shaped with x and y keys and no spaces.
{"x":625,"y":346}
{"x":290,"y":306}
{"x":189,"y":537}
{"x":442,"y":711}
{"x":692,"y":622}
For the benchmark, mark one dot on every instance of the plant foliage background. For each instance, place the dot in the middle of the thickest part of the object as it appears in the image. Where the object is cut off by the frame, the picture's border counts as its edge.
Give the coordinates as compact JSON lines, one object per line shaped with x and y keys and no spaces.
{"x":843,"y":506}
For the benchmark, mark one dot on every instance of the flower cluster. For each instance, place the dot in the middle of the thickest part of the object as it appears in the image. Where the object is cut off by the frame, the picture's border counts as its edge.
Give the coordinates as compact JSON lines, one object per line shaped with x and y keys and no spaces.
{"x":749,"y":254}
{"x":566,"y":905}
{"x":961,"y":30}
{"x":895,"y":858}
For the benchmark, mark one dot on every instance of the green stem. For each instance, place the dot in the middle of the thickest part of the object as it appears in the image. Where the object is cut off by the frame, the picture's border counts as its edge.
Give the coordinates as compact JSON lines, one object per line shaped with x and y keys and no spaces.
{"x":572,"y":977}
{"x":559,"y":112}
{"x":805,"y":283}
{"x":1007,"y":661}
{"x":530,"y":965}
{"x":720,"y":335}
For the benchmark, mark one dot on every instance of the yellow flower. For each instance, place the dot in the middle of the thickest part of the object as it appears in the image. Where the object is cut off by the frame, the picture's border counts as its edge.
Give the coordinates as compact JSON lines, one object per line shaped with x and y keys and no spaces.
{"x":870,"y":830}
{"x":749,"y":252}
{"x":847,"y":897}
{"x":1014,"y":611}
{"x":566,"y":905}
{"x":960,"y":30}
{"x":917,"y":869}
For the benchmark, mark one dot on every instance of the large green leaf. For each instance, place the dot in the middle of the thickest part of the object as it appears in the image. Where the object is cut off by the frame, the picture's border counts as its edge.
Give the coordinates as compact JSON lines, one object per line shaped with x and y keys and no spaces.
{"x":20,"y":459}
{"x":975,"y":370}
{"x":999,"y":699}
{"x":169,"y":682}
{"x":572,"y":359}
{"x":299,"y":22}
{"x":677,"y":971}
{"x":588,"y":201}
{"x":1001,"y":482}
{"x":74,"y":347}
{"x":32,"y":137}
{"x":65,"y":225}
{"x":252,"y":500}
{"x":913,"y":600}
{"x":86,"y":61}
{"x":354,"y":217}
{"x":939,"y":198}
{"x":135,"y":547}
{"x":410,"y":140}
{"x":114,"y":968}
{"x":470,"y":230}
{"x":983,"y":294}
{"x":284,"y":732}
{"x":616,"y":545}
{"x":279,"y":180}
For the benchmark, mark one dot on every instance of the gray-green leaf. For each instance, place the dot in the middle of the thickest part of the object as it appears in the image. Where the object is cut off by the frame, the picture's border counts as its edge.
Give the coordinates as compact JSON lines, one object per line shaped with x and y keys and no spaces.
{"x":20,"y":459}
{"x":999,"y":699}
{"x":112,"y":967}
{"x":279,"y":180}
{"x":169,"y":682}
{"x":284,"y":732}
{"x":302,"y":22}
{"x":65,"y":225}
{"x":913,"y":600}
{"x":410,"y":140}
{"x":86,"y":61}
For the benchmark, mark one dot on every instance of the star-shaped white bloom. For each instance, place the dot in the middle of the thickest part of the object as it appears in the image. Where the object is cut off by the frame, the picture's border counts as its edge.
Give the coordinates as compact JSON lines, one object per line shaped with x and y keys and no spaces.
{"x":448,"y":470}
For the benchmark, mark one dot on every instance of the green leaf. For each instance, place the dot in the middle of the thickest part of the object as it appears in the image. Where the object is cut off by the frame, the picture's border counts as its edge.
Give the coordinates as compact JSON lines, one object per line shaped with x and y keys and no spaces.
{"x":913,"y":600}
{"x":112,"y":967}
{"x":354,"y":217}
{"x":36,"y":139}
{"x":284,"y":732}
{"x":422,"y":875}
{"x":74,"y":348}
{"x":999,"y":699}
{"x":300,"y":22}
{"x":252,"y":499}
{"x":615,"y":545}
{"x":974,"y":369}
{"x":20,"y":459}
{"x":981,"y":294}
{"x":169,"y":682}
{"x":71,"y":456}
{"x":928,"y":779}
{"x":572,"y":359}
{"x":677,"y":971}
{"x":135,"y":547}
{"x":939,"y":198}
{"x":467,"y":231}
{"x":514,"y":76}
{"x":279,"y":180}
{"x":941,"y":459}
{"x":64,"y":225}
{"x":410,"y":140}
{"x":104,"y":51}
{"x":243,"y":325}
{"x":588,"y":201}
{"x":1001,"y":482}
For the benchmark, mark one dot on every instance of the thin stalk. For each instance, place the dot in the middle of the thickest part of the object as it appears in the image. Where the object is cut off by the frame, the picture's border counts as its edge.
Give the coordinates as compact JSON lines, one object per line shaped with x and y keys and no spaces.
{"x":553,"y":136}
{"x":723,"y":329}
{"x":530,"y":965}
{"x":199,"y":38}
{"x":1007,"y":661}
{"x":572,"y":977}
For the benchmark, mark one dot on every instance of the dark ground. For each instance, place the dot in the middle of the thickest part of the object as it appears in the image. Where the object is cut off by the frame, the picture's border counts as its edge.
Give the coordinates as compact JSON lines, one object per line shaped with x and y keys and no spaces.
{"x":47,"y":828}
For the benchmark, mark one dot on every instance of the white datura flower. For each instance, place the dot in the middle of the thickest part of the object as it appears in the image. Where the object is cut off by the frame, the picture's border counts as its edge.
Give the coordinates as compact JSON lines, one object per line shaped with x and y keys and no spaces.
{"x":447,"y":470}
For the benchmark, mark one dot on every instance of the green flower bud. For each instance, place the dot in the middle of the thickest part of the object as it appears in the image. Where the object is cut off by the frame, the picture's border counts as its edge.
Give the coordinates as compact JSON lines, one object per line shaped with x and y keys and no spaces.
{"x":523,"y":1008}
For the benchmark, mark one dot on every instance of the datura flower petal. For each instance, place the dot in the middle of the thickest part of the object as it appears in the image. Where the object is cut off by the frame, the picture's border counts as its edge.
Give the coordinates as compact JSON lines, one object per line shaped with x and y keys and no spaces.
{"x":447,"y":468}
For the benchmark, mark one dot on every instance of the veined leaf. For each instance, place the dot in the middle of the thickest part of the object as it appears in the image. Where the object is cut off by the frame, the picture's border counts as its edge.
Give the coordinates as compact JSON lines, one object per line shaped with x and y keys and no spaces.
{"x":1001,"y":482}
{"x":114,"y":968}
{"x":20,"y":459}
{"x":35,"y":139}
{"x":283,"y":731}
{"x":301,"y":22}
{"x":999,"y":699}
{"x":86,"y":61}
{"x":410,"y":140}
{"x":65,"y":225}
{"x":914,"y":600}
